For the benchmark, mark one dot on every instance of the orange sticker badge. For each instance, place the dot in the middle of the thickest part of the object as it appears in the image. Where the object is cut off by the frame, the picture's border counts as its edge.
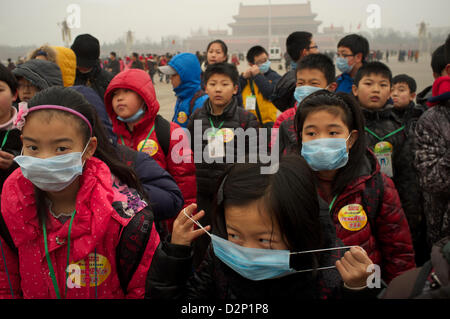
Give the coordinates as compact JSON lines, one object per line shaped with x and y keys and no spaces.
{"x":102,"y":271}
{"x":150,"y":147}
{"x":352,"y":217}
{"x":228,"y":134}
{"x":182,"y":117}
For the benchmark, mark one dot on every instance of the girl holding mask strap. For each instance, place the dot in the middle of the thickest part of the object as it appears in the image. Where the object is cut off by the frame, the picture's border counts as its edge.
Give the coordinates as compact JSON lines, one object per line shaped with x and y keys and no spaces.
{"x":364,"y":204}
{"x":73,"y":209}
{"x":264,"y":227}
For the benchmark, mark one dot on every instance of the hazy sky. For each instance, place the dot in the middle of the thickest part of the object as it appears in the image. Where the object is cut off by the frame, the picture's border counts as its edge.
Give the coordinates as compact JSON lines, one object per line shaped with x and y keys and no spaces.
{"x":30,"y":22}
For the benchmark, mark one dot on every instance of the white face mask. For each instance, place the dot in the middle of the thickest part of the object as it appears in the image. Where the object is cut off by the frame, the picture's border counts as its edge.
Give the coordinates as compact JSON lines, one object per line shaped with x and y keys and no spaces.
{"x":52,"y":174}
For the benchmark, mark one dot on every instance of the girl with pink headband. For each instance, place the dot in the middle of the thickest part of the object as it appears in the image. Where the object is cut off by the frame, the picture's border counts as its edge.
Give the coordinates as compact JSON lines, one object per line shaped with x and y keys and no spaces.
{"x":72,"y":208}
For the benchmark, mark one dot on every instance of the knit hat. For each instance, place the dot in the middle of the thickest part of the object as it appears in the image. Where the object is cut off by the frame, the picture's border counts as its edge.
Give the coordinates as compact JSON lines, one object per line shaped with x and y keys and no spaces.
{"x":441,"y":91}
{"x":87,"y":50}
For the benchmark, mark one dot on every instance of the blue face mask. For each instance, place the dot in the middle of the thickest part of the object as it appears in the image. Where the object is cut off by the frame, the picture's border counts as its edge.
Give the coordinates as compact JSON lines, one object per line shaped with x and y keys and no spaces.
{"x":263,"y":68}
{"x":301,"y":92}
{"x":52,"y":174}
{"x":133,"y":118}
{"x":326,"y":154}
{"x":254,"y":263}
{"x":342,"y":65}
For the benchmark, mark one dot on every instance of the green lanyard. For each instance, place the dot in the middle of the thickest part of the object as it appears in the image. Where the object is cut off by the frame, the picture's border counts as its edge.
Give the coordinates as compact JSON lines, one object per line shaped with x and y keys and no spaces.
{"x":381,"y":139}
{"x":49,"y":261}
{"x":145,"y":142}
{"x":215,"y":129}
{"x":4,"y":140}
{"x":332,"y":203}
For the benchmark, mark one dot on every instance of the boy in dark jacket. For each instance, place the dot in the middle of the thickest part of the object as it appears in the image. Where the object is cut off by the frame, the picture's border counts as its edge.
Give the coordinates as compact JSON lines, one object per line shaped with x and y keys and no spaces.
{"x":257,"y":84}
{"x":219,"y":118}
{"x":387,"y":136}
{"x":403,"y":94}
{"x":298,"y":45}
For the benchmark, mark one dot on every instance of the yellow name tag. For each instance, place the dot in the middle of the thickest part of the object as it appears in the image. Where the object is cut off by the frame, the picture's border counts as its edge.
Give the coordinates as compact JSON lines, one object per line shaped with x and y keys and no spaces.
{"x":352,"y":217}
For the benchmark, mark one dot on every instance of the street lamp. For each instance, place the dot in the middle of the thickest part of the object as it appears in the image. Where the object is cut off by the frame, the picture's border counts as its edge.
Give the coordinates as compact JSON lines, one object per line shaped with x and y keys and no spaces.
{"x":270,"y":23}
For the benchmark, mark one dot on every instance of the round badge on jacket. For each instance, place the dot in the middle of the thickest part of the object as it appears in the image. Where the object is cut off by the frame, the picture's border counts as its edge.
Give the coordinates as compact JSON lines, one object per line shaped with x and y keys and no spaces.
{"x":182,"y":117}
{"x":103,"y":270}
{"x":228,"y":134}
{"x":352,"y":217}
{"x":150,"y":147}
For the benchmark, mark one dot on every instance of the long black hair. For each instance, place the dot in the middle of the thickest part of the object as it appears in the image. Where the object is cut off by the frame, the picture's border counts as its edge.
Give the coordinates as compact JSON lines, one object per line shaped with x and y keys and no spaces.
{"x":289,"y":195}
{"x":346,"y":106}
{"x":105,"y":151}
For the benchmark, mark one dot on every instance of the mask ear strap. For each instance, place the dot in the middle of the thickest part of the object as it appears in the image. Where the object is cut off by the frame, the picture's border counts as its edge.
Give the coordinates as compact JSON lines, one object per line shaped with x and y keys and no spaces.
{"x":195,"y":222}
{"x":317,"y":250}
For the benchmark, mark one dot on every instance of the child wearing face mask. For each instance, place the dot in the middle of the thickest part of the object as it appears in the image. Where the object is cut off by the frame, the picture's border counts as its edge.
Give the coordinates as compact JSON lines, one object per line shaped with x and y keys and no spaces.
{"x":257,"y":84}
{"x":364,"y":203}
{"x":75,"y":217}
{"x":132,"y":106}
{"x":313,"y":73}
{"x":274,"y":241}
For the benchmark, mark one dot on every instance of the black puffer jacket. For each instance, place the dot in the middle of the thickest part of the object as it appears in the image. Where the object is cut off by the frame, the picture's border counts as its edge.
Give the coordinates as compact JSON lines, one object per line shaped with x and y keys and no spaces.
{"x":97,"y":78}
{"x":233,"y":117}
{"x":283,"y":93}
{"x":382,"y":122}
{"x":170,"y":276}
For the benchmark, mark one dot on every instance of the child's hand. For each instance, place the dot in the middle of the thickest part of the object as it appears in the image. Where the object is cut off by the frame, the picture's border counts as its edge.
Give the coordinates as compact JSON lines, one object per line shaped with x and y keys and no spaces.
{"x":353,"y":267}
{"x":183,"y":232}
{"x":6,"y":159}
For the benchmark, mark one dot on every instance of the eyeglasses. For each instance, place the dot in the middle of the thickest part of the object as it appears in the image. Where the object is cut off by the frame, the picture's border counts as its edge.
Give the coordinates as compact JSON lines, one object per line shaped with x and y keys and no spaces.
{"x":344,"y":55}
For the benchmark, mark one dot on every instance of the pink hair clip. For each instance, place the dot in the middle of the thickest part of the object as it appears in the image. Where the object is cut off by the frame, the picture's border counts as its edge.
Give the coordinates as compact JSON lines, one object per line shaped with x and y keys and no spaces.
{"x":21,"y":114}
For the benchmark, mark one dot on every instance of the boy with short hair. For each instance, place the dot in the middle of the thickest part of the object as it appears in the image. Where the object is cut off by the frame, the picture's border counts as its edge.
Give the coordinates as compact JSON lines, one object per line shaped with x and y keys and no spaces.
{"x":257,"y":84}
{"x":352,"y":51}
{"x":313,"y":72}
{"x":298,"y":45}
{"x":185,"y":74}
{"x":389,"y":139}
{"x":403,"y":94}
{"x":219,"y":117}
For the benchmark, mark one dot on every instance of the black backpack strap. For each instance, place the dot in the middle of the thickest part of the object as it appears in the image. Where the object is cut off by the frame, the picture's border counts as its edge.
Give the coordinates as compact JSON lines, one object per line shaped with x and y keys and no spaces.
{"x":162,"y":129}
{"x":133,"y":241}
{"x":421,"y":279}
{"x":197,"y":95}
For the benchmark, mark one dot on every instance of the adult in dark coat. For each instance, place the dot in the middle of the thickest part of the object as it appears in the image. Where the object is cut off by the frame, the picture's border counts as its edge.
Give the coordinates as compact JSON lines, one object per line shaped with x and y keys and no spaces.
{"x":89,"y":72}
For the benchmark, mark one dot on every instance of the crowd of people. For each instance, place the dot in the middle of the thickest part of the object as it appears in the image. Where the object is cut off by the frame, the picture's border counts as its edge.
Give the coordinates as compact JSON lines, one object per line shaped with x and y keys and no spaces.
{"x":102,"y":197}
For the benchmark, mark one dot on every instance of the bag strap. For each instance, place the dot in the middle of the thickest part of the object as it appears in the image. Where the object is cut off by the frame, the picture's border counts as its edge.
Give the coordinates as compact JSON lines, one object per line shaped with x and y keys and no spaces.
{"x":197,"y":95}
{"x":162,"y":128}
{"x":421,"y":279}
{"x":258,"y":113}
{"x":132,"y":243}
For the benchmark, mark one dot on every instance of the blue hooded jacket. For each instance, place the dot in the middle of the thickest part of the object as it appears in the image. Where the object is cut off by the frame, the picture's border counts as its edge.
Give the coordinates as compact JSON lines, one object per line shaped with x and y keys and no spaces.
{"x":188,"y":67}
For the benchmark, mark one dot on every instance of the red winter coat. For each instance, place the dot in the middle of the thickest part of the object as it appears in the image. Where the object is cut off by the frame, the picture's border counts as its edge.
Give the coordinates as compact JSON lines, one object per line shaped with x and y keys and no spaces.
{"x":184,"y":173}
{"x":96,"y":228}
{"x":391,"y":248}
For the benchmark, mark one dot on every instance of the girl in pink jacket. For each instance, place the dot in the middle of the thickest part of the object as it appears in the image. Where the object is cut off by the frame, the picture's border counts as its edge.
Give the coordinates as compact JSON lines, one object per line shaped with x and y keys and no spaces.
{"x":74,"y":217}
